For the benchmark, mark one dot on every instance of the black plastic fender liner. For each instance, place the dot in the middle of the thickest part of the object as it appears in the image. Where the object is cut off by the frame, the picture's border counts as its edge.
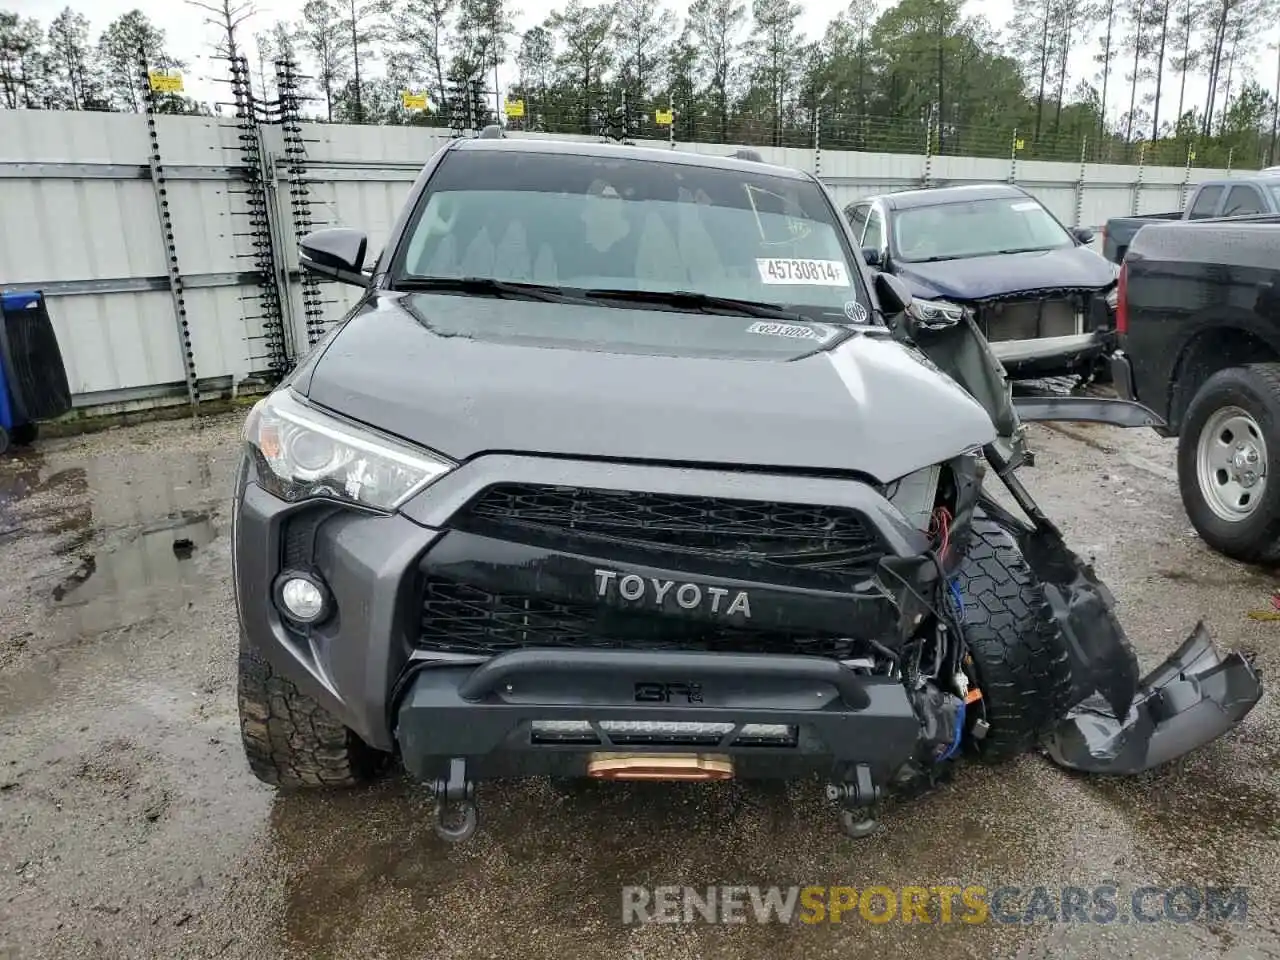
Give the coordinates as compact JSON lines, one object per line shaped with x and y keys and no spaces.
{"x":1102,"y":659}
{"x":1117,"y":413}
{"x":1114,"y":721}
{"x":1194,"y":697}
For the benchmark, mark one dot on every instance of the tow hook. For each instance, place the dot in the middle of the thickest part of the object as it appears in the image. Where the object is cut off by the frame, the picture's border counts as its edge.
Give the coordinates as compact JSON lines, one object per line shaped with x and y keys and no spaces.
{"x":857,"y":798}
{"x":456,"y":815}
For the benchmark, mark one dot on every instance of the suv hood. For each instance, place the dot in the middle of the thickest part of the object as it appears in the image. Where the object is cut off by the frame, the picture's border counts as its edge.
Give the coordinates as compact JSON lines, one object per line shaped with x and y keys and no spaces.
{"x":467,"y":375}
{"x":977,"y":278}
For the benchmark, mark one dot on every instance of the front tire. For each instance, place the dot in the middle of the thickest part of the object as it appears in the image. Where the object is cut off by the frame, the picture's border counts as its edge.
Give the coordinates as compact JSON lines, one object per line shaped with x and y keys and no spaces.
{"x":1229,"y":462}
{"x":1017,"y":650}
{"x":289,"y":740}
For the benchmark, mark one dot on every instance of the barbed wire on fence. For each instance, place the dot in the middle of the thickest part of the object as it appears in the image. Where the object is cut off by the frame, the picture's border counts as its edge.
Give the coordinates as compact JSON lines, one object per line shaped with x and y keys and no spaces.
{"x":802,"y":126}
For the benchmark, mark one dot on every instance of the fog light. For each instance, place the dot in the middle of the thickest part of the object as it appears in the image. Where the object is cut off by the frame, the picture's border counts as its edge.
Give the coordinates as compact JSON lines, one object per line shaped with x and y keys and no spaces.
{"x":302,"y":598}
{"x":768,"y":731}
{"x":663,"y":728}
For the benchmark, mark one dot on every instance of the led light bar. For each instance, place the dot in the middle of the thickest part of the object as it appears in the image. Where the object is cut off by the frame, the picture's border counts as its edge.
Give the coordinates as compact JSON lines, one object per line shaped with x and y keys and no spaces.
{"x":659,"y":731}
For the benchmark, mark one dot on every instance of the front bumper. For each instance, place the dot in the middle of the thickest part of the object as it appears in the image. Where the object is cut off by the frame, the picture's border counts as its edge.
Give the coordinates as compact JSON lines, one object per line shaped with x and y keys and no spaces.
{"x":1076,"y":353}
{"x":534,"y":712}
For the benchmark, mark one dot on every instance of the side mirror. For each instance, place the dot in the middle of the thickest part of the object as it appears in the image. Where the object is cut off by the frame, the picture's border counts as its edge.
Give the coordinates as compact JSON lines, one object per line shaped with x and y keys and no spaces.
{"x":892,"y":293}
{"x":872,"y":256}
{"x":1083,"y":234}
{"x":336,"y":253}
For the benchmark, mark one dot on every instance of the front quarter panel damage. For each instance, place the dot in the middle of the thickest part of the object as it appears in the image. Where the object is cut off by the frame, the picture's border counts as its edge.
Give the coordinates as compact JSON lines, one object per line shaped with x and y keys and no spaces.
{"x":1116,"y":721}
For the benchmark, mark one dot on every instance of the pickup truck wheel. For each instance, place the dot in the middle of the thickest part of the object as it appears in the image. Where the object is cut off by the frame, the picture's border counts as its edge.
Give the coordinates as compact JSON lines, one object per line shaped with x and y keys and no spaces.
{"x":1018,"y":653}
{"x":289,"y":739}
{"x":1229,"y":462}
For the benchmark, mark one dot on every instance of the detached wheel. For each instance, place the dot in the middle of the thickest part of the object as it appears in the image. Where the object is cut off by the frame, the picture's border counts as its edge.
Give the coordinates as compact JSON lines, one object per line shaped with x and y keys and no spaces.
{"x":1019,"y":656}
{"x":289,"y":739}
{"x":1229,"y":462}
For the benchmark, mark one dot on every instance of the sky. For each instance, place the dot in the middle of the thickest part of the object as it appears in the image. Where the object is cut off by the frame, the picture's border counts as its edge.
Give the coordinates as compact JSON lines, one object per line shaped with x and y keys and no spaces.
{"x":190,"y":39}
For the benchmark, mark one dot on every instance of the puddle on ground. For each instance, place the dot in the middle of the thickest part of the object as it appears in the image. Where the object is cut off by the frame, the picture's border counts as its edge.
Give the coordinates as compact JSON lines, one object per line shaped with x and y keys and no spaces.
{"x":147,"y":571}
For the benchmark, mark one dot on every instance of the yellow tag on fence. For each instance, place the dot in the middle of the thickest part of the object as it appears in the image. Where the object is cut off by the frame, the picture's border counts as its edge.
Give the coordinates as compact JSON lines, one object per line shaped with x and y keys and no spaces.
{"x":162,"y":81}
{"x":515,"y":109}
{"x":1019,"y":144}
{"x":664,"y":117}
{"x":413,"y":101}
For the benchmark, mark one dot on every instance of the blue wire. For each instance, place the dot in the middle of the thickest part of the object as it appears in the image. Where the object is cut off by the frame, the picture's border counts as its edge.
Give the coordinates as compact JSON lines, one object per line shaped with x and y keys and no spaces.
{"x":957,"y":596}
{"x":955,"y":743}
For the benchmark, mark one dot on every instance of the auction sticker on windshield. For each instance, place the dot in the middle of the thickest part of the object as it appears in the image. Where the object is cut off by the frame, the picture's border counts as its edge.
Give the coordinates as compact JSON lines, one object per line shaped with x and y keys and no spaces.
{"x":824,"y":273}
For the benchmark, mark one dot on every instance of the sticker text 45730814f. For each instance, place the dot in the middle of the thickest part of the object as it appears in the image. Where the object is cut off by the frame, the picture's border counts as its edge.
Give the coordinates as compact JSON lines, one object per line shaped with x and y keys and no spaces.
{"x":824,"y":273}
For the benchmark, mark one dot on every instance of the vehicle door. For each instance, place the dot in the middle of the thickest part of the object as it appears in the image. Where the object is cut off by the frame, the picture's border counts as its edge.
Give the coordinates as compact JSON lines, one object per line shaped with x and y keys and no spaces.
{"x":1206,"y":202}
{"x":1243,"y":200}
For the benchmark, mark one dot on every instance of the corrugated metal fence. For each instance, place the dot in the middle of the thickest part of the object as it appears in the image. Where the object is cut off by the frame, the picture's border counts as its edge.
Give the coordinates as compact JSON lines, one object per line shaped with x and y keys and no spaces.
{"x":150,"y":307}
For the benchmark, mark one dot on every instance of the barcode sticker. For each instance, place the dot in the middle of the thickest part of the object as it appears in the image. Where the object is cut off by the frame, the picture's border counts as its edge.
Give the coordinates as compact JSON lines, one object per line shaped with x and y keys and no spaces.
{"x":792,"y":331}
{"x":823,"y":273}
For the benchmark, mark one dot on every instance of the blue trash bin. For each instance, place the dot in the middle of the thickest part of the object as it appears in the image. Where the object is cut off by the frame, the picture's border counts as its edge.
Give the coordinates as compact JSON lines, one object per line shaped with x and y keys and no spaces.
{"x":33,"y":381}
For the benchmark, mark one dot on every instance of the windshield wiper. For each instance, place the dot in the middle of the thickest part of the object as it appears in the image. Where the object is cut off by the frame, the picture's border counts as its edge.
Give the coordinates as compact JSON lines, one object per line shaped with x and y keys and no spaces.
{"x":699,"y":301}
{"x":985,"y":253}
{"x":484,"y":287}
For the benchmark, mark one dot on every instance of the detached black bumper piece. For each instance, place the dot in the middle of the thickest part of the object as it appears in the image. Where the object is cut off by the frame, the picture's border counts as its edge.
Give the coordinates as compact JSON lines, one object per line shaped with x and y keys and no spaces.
{"x":1194,"y":697}
{"x":534,"y":712}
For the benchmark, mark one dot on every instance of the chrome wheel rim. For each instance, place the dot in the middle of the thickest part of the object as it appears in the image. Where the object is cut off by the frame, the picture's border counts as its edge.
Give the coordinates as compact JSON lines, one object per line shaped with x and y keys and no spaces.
{"x":1231,"y":464}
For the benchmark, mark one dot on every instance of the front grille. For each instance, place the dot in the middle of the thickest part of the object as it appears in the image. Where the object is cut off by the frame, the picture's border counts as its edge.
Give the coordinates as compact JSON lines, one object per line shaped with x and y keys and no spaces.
{"x":460,"y":618}
{"x":792,"y":535}
{"x":1029,"y":319}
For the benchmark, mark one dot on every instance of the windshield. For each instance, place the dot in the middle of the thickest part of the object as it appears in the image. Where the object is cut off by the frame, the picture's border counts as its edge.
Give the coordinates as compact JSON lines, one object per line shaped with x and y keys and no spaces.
{"x":590,"y":223}
{"x":1275,"y":192}
{"x":975,"y":228}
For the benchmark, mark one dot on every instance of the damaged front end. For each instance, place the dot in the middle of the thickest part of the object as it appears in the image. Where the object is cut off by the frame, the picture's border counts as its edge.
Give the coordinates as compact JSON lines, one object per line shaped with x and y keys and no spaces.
{"x":1115,"y":721}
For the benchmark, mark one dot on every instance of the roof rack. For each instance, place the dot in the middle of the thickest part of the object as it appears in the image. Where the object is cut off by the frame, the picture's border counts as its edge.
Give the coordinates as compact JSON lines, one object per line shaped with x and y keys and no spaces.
{"x":493,"y":131}
{"x":744,"y":154}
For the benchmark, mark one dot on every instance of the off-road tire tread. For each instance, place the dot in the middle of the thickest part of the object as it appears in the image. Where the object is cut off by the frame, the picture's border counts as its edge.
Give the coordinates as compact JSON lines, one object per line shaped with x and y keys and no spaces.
{"x":291,"y":741}
{"x":1264,"y":547}
{"x":1019,"y":652}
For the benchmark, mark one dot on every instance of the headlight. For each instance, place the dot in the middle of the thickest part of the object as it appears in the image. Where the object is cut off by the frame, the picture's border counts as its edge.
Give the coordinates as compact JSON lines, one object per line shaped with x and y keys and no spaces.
{"x":305,"y":454}
{"x":914,"y":495}
{"x":938,"y":314}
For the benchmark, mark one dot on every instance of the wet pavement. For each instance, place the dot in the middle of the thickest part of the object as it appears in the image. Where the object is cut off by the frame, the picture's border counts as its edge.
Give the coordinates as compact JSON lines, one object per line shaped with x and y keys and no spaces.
{"x":131,"y":827}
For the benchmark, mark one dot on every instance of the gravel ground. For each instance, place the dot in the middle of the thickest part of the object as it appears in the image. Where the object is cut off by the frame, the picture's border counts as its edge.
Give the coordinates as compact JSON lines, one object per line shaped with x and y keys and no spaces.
{"x":131,"y":827}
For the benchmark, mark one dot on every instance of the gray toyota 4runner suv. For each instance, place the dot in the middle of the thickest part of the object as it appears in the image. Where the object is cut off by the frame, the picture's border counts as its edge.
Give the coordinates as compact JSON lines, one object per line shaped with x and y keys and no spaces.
{"x":623,"y":467}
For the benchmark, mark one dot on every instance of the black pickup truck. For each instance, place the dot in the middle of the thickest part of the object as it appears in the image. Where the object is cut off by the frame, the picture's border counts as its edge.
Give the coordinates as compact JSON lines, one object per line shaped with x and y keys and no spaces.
{"x":1198,"y":318}
{"x":1239,"y":197}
